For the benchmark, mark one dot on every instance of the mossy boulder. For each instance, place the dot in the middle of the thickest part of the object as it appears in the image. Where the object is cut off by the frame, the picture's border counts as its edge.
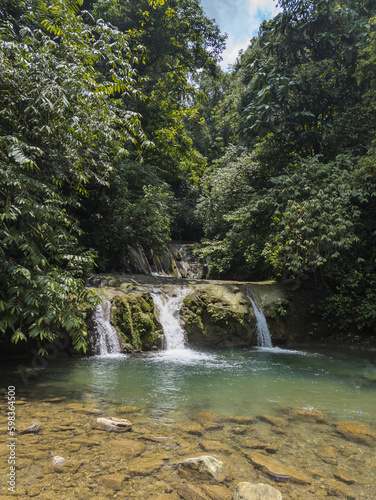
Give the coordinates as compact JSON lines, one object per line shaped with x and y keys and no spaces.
{"x":213,"y":321}
{"x":133,"y":317}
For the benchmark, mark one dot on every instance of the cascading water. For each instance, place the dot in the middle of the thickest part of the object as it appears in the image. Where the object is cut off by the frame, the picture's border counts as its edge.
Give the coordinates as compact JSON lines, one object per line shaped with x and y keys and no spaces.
{"x":169,"y":308}
{"x":108,"y":344}
{"x":263,"y":335}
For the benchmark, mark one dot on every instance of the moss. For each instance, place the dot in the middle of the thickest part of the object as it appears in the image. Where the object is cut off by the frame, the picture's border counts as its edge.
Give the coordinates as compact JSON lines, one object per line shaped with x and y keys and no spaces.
{"x":210,"y":321}
{"x":133,"y":317}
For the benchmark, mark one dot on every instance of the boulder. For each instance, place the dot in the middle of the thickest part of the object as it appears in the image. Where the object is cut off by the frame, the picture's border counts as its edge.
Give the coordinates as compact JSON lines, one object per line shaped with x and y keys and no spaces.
{"x":133,"y":317}
{"x":113,"y":424}
{"x":218,"y":316}
{"x":206,"y":465}
{"x":260,"y":491}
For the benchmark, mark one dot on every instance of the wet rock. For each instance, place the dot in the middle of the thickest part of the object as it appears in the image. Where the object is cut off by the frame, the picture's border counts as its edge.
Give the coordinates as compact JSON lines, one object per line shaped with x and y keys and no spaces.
{"x":85,"y":410}
{"x":144,"y":466}
{"x":113,"y":424}
{"x":207,"y":416}
{"x":308,"y":413}
{"x":344,"y":476}
{"x":133,"y":317}
{"x":220,"y":320}
{"x":277,"y":470}
{"x":239,"y":431}
{"x":125,"y":447}
{"x":260,"y":491}
{"x":329,"y":454}
{"x":215,"y":446}
{"x":216,"y":492}
{"x":127,"y":409}
{"x":338,"y":489}
{"x":258,"y":445}
{"x":32,"y":428}
{"x":240,"y":420}
{"x":112,"y":482}
{"x":212,"y":426}
{"x":275,"y":421}
{"x":194,"y":428}
{"x":357,"y":432}
{"x":61,"y":464}
{"x":206,"y":465}
{"x":191,"y":492}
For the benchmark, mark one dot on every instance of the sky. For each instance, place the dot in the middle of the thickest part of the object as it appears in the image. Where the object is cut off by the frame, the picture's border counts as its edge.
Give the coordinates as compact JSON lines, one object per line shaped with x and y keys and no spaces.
{"x":240,"y":19}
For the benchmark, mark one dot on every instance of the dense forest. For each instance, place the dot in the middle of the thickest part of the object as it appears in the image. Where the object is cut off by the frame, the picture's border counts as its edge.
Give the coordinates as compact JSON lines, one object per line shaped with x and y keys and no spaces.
{"x":119,"y":128}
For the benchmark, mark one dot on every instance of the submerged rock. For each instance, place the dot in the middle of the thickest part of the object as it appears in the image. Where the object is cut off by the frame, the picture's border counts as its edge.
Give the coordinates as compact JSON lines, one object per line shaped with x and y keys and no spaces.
{"x":357,"y":432}
{"x":207,"y":465}
{"x":277,"y":470}
{"x":240,"y":420}
{"x":113,"y":424}
{"x":113,"y":481}
{"x":260,"y":491}
{"x":258,"y":445}
{"x":308,"y":413}
{"x":61,"y":464}
{"x":275,"y":421}
{"x":32,"y":428}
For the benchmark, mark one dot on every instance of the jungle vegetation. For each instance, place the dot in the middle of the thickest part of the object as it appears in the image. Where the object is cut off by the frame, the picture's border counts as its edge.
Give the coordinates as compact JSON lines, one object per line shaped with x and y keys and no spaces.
{"x":118,"y":127}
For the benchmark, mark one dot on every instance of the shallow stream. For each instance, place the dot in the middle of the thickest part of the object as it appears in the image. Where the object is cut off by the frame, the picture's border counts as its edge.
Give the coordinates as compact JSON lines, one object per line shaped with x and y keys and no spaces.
{"x":314,"y":412}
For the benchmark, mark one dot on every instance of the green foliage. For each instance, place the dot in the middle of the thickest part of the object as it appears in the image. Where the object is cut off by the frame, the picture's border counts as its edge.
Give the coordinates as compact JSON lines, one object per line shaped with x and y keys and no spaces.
{"x":300,"y":84}
{"x":314,"y":216}
{"x":59,"y":130}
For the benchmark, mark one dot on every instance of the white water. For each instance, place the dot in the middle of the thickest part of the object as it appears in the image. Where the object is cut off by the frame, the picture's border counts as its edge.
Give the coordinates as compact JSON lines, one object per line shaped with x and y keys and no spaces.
{"x":169,"y":309}
{"x":263,"y":335}
{"x":108,"y":343}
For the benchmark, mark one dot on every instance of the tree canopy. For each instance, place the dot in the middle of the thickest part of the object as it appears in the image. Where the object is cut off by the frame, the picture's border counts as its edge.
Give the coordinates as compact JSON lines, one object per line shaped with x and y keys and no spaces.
{"x":118,"y":128}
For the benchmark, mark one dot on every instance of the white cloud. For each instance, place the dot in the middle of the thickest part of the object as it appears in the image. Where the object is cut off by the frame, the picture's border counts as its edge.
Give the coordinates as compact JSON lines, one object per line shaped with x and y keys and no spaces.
{"x":232,"y":50}
{"x":240,"y":19}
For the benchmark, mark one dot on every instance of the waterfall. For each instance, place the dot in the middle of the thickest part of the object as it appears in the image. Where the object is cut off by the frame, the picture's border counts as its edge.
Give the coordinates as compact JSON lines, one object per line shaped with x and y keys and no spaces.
{"x":108,"y":343}
{"x":169,"y":307}
{"x":263,"y":334}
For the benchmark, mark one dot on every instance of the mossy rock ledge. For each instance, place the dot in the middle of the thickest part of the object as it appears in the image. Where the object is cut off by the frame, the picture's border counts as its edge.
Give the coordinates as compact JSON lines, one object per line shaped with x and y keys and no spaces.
{"x":212,"y":321}
{"x":133,"y":317}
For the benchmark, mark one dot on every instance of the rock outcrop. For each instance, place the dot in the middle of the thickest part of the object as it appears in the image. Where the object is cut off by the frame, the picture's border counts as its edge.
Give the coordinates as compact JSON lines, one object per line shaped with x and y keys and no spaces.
{"x":133,"y":317}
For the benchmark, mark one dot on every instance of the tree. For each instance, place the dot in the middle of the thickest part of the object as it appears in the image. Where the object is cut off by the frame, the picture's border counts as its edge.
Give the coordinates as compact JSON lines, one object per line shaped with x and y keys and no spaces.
{"x":60,"y":128}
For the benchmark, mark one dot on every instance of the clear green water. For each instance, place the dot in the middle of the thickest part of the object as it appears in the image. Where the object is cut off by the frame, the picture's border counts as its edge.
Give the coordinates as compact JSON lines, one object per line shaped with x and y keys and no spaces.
{"x":239,"y":382}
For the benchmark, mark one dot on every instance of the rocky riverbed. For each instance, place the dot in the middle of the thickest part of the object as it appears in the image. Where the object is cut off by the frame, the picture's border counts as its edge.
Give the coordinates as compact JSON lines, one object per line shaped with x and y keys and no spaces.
{"x":299,"y":452}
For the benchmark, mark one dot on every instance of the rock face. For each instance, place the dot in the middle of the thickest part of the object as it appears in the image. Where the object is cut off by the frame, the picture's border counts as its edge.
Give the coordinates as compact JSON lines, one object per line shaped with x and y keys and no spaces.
{"x":213,"y":318}
{"x":216,"y":314}
{"x":206,"y":465}
{"x":260,"y":491}
{"x":113,"y":424}
{"x":133,"y":317}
